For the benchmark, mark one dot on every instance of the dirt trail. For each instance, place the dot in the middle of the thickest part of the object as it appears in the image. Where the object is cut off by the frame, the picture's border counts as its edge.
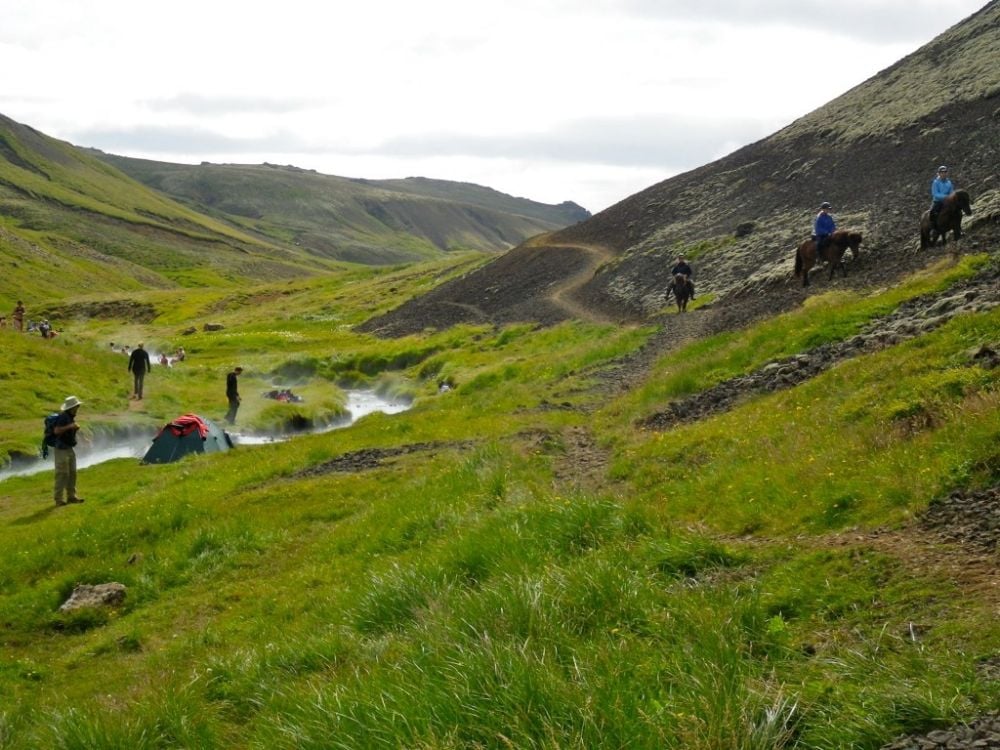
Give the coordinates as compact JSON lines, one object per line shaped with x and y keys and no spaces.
{"x":562,"y":293}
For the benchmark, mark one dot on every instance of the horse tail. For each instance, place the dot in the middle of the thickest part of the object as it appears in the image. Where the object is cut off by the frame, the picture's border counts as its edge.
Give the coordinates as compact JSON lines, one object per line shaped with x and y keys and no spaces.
{"x":798,"y":262}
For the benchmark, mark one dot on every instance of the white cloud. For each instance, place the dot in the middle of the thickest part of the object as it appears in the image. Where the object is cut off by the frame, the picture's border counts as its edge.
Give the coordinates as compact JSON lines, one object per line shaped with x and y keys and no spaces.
{"x":528,"y":95}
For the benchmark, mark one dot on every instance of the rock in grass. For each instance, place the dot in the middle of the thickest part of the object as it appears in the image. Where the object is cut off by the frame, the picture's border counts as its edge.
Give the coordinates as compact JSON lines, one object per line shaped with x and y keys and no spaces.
{"x":99,"y":595}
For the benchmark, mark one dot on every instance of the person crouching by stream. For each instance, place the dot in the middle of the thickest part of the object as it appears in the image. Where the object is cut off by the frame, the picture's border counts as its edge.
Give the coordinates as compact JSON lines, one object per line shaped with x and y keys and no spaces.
{"x":65,"y":429}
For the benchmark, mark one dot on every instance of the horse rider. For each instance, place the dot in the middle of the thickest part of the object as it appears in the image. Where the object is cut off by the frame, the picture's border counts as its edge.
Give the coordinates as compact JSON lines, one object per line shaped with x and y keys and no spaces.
{"x":681,"y":267}
{"x":823,"y":226}
{"x":941,"y":188}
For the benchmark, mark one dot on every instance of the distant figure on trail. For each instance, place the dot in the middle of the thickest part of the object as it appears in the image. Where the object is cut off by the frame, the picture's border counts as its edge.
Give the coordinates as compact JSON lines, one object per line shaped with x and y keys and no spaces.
{"x":3,"y":321}
{"x":18,"y":316}
{"x":65,"y":429}
{"x":138,"y":365}
{"x":180,"y":354}
{"x":941,"y":188}
{"x":233,"y":394}
{"x":682,"y":267}
{"x":823,"y":226}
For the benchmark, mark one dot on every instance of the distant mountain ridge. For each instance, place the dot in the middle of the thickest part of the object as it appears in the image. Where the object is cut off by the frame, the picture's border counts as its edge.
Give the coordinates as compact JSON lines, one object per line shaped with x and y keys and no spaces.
{"x":872,"y":152}
{"x":352,"y":219}
{"x":70,"y":221}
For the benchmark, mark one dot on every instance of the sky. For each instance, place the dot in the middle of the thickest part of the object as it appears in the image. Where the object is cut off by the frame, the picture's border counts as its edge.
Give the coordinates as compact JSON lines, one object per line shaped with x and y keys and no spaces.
{"x":552,"y":100}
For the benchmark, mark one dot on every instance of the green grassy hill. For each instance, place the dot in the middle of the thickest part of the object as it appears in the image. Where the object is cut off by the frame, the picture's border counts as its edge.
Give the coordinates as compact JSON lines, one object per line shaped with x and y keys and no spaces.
{"x":364,"y":221}
{"x":515,"y":561}
{"x":765,"y":524}
{"x":69,"y":222}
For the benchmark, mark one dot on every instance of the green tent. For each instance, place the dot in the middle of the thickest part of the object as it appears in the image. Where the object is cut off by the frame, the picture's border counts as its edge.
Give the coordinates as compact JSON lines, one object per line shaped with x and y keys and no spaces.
{"x":188,"y":433}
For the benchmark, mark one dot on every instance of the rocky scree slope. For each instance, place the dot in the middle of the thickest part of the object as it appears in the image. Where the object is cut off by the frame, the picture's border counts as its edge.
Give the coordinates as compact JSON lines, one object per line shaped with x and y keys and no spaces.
{"x":871,"y":152}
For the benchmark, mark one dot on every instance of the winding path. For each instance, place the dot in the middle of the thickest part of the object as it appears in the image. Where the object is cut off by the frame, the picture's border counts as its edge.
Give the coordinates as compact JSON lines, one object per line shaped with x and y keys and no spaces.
{"x":562,"y":293}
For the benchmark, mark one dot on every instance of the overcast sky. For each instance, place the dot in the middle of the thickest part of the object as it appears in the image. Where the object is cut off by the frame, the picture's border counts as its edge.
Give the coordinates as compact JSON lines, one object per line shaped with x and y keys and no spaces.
{"x":553,"y":100}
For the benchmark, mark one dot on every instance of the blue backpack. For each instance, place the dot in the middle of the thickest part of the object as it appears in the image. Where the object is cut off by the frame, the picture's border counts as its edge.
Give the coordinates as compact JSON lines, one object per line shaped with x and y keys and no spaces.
{"x":49,"y":436}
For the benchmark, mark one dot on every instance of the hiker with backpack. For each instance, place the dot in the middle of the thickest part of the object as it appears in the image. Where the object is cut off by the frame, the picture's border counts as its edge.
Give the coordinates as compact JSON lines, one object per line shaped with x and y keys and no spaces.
{"x":63,"y":441}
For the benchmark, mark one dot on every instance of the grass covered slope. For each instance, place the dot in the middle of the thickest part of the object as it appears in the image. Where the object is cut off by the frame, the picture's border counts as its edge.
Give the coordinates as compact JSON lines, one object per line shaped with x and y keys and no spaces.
{"x":516,"y":562}
{"x":376,"y":222}
{"x":282,"y":333}
{"x":69,"y":222}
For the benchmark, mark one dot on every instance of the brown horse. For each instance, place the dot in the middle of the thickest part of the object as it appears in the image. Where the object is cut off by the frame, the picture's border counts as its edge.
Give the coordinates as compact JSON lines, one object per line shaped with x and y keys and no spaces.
{"x":681,"y":287}
{"x":949,"y":217}
{"x":833,"y":253}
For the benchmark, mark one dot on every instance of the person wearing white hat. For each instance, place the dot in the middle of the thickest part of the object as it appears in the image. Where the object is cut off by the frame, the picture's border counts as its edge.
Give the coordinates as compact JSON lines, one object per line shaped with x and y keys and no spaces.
{"x":65,"y":429}
{"x":823,"y":226}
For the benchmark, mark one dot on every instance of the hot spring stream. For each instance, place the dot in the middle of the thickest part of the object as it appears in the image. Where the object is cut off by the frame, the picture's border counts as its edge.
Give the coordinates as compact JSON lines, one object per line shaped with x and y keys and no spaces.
{"x":359,"y":404}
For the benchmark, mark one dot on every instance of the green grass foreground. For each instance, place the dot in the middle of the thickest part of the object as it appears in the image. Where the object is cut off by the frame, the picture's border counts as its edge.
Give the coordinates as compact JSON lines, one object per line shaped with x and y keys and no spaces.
{"x":714,"y":586}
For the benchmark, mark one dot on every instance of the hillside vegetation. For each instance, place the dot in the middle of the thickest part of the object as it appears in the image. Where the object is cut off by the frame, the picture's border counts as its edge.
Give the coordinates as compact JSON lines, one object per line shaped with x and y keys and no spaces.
{"x":768,"y":523}
{"x":69,"y":222}
{"x":515,"y":561}
{"x":363,"y":221}
{"x":72,"y":221}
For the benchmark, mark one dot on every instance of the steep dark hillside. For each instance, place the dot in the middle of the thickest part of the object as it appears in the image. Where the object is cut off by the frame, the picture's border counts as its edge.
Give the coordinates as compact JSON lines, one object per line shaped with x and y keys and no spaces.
{"x":363,"y":221}
{"x":69,"y":222}
{"x":872,"y":152}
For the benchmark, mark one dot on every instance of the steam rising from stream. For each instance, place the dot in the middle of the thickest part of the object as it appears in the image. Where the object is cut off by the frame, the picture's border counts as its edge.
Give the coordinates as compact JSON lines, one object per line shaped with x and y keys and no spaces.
{"x":359,"y":404}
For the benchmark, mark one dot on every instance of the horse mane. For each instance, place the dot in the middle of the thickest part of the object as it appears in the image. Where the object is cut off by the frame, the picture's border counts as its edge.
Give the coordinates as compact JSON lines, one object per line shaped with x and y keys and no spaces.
{"x":958,"y":201}
{"x":846,"y":238}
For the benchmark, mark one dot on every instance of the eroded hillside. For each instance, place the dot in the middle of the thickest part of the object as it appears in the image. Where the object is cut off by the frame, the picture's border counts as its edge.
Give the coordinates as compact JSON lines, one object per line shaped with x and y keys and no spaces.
{"x":871,"y":152}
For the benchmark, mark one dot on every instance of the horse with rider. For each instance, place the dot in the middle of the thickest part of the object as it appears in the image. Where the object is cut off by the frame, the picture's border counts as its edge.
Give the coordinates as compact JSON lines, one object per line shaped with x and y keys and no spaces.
{"x":681,"y":284}
{"x":947,"y":207}
{"x":827,"y":243}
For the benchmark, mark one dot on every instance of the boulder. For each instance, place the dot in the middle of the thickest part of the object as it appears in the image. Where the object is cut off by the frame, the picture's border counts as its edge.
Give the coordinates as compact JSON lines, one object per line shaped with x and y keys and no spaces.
{"x":99,"y":595}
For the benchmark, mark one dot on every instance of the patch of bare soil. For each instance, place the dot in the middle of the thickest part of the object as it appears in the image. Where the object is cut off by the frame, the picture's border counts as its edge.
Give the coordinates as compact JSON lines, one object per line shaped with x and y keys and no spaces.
{"x":127,"y":310}
{"x":968,"y":518}
{"x":372,"y":458}
{"x":981,"y":734}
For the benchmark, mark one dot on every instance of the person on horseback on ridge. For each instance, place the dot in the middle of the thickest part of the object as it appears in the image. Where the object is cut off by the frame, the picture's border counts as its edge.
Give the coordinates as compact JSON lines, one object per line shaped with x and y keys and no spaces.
{"x":682,"y":267}
{"x":941,"y":188}
{"x":823,"y":226}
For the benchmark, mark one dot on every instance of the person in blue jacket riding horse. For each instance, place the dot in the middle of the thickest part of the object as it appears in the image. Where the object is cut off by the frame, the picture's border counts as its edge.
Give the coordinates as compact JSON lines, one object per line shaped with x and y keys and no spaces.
{"x":823,"y":226}
{"x":941,"y":188}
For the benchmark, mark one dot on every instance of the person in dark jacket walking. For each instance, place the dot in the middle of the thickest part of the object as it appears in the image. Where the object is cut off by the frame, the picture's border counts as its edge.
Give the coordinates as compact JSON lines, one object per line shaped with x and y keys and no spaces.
{"x":233,"y":394}
{"x":64,"y":429}
{"x":138,"y":365}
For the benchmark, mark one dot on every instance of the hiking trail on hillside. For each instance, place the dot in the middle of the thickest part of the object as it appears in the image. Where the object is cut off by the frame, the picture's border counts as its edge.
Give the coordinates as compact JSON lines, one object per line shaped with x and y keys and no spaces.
{"x":562,"y":294}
